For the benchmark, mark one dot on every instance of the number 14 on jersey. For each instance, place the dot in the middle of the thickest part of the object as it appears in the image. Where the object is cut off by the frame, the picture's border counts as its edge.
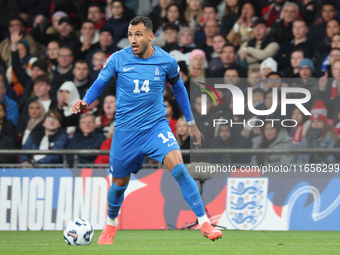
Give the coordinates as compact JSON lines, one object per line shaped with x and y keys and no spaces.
{"x":145,"y":87}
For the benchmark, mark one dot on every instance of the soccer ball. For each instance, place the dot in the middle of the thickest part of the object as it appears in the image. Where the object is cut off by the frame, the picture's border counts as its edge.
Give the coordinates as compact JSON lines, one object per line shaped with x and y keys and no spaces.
{"x":78,"y":232}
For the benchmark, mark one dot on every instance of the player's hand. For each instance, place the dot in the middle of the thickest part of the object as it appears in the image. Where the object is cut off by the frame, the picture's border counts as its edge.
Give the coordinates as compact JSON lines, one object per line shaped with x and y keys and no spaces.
{"x":194,"y":132}
{"x":79,"y":106}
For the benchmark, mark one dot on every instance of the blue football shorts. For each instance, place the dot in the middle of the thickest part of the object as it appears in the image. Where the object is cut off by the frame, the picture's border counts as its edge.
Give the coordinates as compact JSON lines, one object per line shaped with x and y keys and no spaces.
{"x":129,"y":148}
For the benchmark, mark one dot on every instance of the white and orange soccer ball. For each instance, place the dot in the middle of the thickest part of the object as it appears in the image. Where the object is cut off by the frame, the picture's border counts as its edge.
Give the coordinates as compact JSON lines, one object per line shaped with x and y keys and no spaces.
{"x":78,"y":232}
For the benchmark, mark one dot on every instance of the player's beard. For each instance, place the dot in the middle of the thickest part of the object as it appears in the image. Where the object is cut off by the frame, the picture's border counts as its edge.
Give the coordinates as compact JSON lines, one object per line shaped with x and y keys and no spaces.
{"x":142,"y":47}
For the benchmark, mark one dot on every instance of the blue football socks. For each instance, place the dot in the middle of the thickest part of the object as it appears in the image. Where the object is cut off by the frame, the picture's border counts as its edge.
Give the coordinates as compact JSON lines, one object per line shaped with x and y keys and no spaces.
{"x":189,"y":189}
{"x":115,"y":199}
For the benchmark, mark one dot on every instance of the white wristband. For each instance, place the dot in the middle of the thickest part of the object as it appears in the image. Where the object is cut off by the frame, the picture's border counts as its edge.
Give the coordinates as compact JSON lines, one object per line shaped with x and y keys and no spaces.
{"x":191,"y":122}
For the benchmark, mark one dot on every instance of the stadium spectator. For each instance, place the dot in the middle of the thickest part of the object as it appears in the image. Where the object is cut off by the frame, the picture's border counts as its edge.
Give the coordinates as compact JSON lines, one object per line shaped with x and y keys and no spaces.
{"x":96,"y":14}
{"x":36,"y":112}
{"x":242,"y":29}
{"x":105,"y":44}
{"x":295,"y":58}
{"x":55,"y":22}
{"x":67,"y":95}
{"x":268,"y":66}
{"x":41,"y":88}
{"x":98,"y":59}
{"x":273,"y":137}
{"x":260,"y":47}
{"x":273,"y":12}
{"x":281,"y":30}
{"x":299,"y":131}
{"x":218,"y":41}
{"x":318,"y":135}
{"x":230,"y":14}
{"x":11,"y":105}
{"x":228,"y":57}
{"x":309,"y":10}
{"x":186,"y":40}
{"x":104,"y":120}
{"x":194,"y":13}
{"x":52,"y":138}
{"x":317,"y":32}
{"x":88,"y":138}
{"x":173,"y":15}
{"x":64,"y":68}
{"x":196,"y":66}
{"x":254,"y":78}
{"x":81,"y":79}
{"x":8,"y":11}
{"x":64,"y":35}
{"x":258,"y":97}
{"x":210,"y":12}
{"x":171,"y":37}
{"x":22,"y":62}
{"x":39,"y":67}
{"x":159,"y":12}
{"x":211,"y":29}
{"x":6,"y":144}
{"x":306,"y":70}
{"x":88,"y":36}
{"x":228,"y":137}
{"x":119,"y":21}
{"x":8,"y":128}
{"x":300,"y":40}
{"x":172,"y":113}
{"x":182,"y":137}
{"x":106,"y":145}
{"x":9,"y":90}
{"x":274,"y":80}
{"x":231,"y":76}
{"x":329,"y":88}
{"x":53,"y":48}
{"x":268,"y":103}
{"x":16,"y":27}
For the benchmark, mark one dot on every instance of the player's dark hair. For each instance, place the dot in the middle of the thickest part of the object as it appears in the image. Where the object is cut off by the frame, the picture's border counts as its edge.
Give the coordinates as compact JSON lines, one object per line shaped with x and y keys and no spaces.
{"x":41,"y":78}
{"x":171,"y":26}
{"x":56,"y":114}
{"x":141,"y":19}
{"x":230,"y":45}
{"x":100,"y":6}
{"x":211,"y":6}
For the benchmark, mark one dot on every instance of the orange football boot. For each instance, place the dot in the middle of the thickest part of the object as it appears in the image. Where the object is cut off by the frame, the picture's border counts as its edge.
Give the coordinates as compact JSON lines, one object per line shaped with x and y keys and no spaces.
{"x":107,"y":235}
{"x":210,"y":232}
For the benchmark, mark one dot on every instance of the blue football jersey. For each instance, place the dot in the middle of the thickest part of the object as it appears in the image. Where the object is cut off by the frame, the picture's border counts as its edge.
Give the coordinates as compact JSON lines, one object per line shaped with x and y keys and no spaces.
{"x":139,"y":87}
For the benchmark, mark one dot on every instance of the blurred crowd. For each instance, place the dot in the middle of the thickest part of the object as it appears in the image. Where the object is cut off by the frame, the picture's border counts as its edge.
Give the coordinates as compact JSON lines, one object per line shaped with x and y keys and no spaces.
{"x":51,"y":51}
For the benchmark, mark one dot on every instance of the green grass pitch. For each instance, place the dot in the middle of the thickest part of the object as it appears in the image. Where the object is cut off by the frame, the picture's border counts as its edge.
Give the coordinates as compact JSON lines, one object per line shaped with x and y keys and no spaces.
{"x":176,"y":242}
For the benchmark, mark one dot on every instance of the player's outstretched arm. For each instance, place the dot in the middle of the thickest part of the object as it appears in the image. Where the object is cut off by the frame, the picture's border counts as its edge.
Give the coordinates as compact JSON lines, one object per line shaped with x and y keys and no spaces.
{"x":79,"y":106}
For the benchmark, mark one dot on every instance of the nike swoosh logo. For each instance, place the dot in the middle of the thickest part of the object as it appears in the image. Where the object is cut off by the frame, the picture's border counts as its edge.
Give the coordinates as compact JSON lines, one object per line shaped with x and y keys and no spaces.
{"x":127,"y":69}
{"x":169,"y":145}
{"x":197,"y":202}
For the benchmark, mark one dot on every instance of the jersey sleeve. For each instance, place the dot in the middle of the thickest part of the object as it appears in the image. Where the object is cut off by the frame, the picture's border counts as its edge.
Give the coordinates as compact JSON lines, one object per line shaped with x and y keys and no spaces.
{"x":109,"y":69}
{"x":172,"y":68}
